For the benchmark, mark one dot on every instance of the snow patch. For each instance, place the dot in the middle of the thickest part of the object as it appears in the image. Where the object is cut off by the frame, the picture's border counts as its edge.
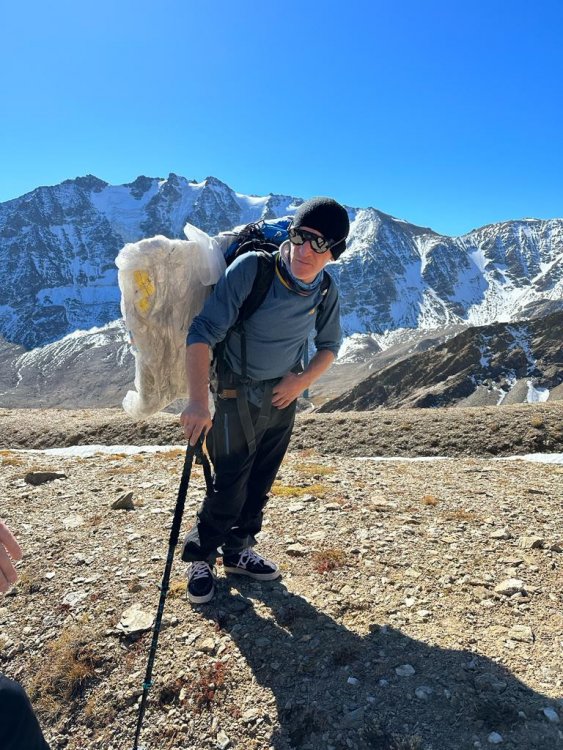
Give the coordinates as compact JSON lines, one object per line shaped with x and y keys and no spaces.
{"x":536,"y":395}
{"x":87,"y":451}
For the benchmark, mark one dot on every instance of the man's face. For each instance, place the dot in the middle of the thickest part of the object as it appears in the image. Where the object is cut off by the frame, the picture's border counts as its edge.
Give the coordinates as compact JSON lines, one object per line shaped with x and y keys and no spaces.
{"x":306,"y":264}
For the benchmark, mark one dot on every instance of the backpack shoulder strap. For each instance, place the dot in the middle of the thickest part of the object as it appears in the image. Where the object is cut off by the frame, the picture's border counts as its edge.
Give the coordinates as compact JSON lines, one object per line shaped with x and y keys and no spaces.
{"x":265,"y":271}
{"x":326,"y":283}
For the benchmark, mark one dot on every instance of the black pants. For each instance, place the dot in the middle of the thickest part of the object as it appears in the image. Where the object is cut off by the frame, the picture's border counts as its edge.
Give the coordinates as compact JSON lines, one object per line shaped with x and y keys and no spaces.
{"x":19,"y":728}
{"x":232,"y":516}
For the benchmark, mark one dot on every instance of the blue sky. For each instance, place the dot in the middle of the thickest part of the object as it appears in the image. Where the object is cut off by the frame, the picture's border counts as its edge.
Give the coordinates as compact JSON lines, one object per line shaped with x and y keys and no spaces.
{"x":447,"y":114}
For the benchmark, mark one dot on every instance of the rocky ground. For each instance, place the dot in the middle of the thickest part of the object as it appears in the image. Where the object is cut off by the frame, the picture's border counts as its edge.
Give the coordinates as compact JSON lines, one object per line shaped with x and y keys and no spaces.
{"x":420,"y":606}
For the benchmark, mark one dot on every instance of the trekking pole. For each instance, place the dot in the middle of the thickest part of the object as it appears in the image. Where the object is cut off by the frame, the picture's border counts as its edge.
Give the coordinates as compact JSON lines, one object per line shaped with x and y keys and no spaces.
{"x":174,"y":534}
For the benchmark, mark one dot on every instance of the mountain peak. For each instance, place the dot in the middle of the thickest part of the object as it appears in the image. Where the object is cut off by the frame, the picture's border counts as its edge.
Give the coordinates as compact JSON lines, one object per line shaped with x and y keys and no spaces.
{"x":88,"y":182}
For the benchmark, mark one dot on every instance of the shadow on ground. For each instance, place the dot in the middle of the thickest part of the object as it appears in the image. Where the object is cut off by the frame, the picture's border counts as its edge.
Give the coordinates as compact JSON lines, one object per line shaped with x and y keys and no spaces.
{"x":336,"y":689}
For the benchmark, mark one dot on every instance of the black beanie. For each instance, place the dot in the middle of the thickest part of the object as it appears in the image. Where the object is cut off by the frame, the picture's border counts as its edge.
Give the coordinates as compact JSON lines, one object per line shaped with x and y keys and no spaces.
{"x":328,"y":217}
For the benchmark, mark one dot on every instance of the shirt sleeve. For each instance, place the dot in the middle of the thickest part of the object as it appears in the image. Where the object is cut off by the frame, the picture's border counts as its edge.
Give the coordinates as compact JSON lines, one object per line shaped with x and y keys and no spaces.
{"x":221,"y":308}
{"x":328,"y":330}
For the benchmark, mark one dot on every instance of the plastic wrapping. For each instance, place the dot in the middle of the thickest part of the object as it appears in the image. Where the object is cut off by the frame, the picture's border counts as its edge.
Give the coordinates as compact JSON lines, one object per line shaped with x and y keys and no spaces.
{"x":164,"y":284}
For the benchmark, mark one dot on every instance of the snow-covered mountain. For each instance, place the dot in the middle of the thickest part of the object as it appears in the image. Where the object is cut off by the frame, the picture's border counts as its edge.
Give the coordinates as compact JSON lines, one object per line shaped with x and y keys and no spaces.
{"x":398,"y":276}
{"x":58,"y":246}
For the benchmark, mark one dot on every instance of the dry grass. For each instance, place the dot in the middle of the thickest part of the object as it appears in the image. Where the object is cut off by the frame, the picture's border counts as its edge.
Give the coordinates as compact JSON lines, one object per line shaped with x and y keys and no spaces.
{"x":27,"y":583}
{"x":537,"y":422}
{"x":328,"y":559}
{"x":311,"y":470}
{"x":307,"y":452}
{"x":286,"y":490}
{"x":11,"y":459}
{"x":200,"y":690}
{"x":460,"y":515}
{"x":429,"y":500}
{"x":67,"y":670}
{"x":208,"y":682}
{"x":177,"y":588}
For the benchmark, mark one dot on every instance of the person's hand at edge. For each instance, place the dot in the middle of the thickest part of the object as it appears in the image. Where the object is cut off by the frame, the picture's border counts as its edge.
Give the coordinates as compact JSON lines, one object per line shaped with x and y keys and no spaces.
{"x":9,"y":550}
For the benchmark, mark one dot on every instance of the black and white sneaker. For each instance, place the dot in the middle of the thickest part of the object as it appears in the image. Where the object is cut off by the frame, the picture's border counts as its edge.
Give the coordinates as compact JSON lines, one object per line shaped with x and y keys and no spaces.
{"x":201,"y":582}
{"x":248,"y":563}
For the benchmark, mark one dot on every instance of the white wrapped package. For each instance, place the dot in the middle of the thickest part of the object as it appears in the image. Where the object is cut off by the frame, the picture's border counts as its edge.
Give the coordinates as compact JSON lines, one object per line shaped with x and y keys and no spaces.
{"x":163,"y":284}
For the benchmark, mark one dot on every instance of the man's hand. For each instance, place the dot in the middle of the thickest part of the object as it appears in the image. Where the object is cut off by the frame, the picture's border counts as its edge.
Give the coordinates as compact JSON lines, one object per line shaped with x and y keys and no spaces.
{"x":8,"y":548}
{"x":195,"y":419}
{"x":290,"y":387}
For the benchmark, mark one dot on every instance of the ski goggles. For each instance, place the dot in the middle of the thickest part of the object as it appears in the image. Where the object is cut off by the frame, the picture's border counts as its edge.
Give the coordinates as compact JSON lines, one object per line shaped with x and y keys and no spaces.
{"x":319,"y":243}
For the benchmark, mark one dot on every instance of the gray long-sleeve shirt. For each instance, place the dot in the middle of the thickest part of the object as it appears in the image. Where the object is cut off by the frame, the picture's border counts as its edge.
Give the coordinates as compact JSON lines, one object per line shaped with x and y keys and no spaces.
{"x":277,"y":332}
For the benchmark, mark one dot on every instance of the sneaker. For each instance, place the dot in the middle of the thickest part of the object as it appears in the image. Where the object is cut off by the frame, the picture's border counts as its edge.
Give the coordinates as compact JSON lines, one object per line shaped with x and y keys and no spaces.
{"x":248,"y":563}
{"x":201,"y":582}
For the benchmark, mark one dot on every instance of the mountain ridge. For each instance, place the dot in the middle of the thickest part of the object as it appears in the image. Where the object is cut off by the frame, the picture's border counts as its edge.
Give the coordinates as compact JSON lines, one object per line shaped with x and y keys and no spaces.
{"x":58,"y":245}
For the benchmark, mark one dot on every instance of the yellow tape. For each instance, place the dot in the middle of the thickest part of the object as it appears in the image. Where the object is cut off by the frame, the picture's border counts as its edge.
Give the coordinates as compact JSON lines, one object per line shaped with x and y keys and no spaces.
{"x":145,"y":289}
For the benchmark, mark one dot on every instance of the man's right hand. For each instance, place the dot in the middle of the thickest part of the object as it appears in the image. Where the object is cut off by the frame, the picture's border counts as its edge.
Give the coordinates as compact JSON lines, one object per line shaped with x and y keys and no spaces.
{"x":195,"y":419}
{"x":9,"y":548}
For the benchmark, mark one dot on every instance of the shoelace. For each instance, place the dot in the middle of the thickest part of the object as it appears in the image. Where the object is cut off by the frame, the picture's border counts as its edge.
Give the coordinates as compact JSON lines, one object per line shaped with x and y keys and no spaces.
{"x":250,"y":556}
{"x":199,"y":570}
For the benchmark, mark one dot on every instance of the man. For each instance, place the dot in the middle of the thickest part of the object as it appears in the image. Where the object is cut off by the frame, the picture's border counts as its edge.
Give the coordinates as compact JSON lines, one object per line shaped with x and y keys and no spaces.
{"x":260,"y":379}
{"x":19,"y":729}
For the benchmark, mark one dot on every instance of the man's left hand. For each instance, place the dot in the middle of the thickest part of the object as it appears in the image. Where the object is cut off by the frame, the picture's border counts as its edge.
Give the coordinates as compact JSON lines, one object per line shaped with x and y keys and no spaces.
{"x":290,"y":387}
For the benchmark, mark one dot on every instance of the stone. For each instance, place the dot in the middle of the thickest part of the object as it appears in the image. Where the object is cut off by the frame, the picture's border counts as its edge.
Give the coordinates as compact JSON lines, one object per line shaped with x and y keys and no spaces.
{"x":487,"y":682}
{"x":73,"y":522}
{"x":134,"y":620}
{"x":295,"y":508}
{"x":208,"y":646}
{"x":495,"y":738}
{"x":521,"y":633}
{"x":424,"y":615}
{"x":501,"y":534}
{"x":551,"y":715}
{"x":124,"y":502}
{"x":531,"y":542}
{"x":74,"y":597}
{"x":353,"y":681}
{"x":296,"y":550}
{"x":250,"y":716}
{"x":509,"y":587}
{"x":41,"y":477}
{"x":222,"y":741}
{"x":423,"y":692}
{"x":308,"y":498}
{"x":382,"y":505}
{"x":405,"y":670}
{"x":413,"y":573}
